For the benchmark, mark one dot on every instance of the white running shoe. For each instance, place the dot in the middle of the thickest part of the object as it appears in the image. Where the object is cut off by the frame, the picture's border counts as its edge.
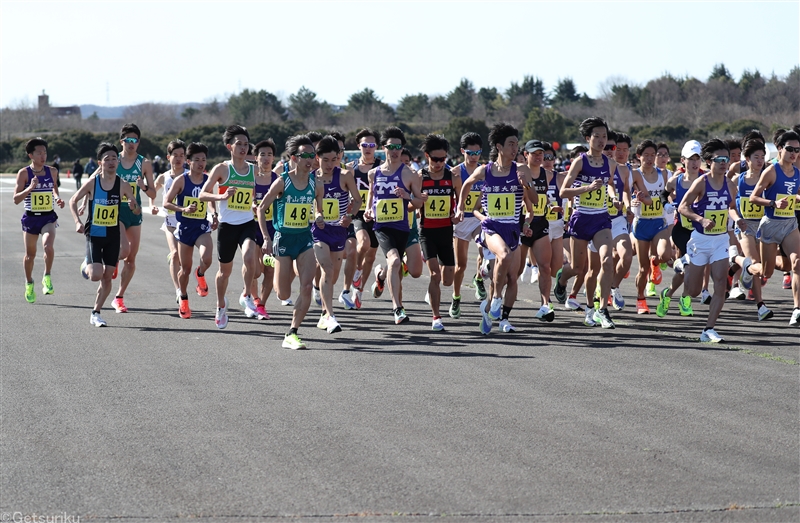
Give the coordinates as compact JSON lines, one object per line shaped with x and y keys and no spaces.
{"x":588,"y":319}
{"x":617,"y":300}
{"x":96,"y":321}
{"x":287,"y":303}
{"x":746,"y":278}
{"x":534,"y":274}
{"x":332,"y":326}
{"x":496,"y":310}
{"x":317,"y":297}
{"x":705,"y":297}
{"x":764,"y":313}
{"x":323,"y":321}
{"x":248,"y":305}
{"x":437,"y":325}
{"x":505,"y":326}
{"x":428,"y":298}
{"x":357,"y":278}
{"x":795,"y":321}
{"x":221,"y":317}
{"x":545,"y":313}
{"x":737,"y":293}
{"x":344,"y":299}
{"x":710,"y":336}
{"x":525,"y":272}
{"x":485,"y":268}
{"x":572,"y":304}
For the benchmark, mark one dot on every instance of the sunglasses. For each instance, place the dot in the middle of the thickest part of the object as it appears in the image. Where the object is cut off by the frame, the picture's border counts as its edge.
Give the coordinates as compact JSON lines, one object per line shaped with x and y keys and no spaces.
{"x":305,"y":156}
{"x":790,"y":149}
{"x":367,"y":145}
{"x":394,"y":146}
{"x":610,"y":148}
{"x":438,"y":159}
{"x":721,"y":159}
{"x":474,"y":153}
{"x":130,"y":140}
{"x":548,"y":157}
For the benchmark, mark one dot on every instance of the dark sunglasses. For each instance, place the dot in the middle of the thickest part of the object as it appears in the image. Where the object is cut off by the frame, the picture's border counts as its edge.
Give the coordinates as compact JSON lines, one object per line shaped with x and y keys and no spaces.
{"x":473,"y":153}
{"x":610,"y":148}
{"x":394,"y":146}
{"x":367,"y":145}
{"x":548,"y":157}
{"x":790,"y":149}
{"x":130,"y":140}
{"x":305,"y":156}
{"x":438,"y":159}
{"x":721,"y":159}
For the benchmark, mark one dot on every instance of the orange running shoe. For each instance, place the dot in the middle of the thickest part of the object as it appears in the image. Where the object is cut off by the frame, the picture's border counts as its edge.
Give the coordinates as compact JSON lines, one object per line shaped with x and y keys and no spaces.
{"x":184,"y":311}
{"x":116,"y":270}
{"x":119,"y":305}
{"x":641,"y":307}
{"x":655,"y":272}
{"x":202,"y":286}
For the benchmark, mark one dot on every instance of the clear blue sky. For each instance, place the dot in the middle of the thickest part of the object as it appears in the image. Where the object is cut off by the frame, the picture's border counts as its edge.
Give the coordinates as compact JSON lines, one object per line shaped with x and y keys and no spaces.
{"x":176,"y":51}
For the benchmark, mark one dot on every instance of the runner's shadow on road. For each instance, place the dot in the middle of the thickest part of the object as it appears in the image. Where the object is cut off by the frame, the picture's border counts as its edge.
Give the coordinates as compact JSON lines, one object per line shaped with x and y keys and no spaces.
{"x":408,"y":352}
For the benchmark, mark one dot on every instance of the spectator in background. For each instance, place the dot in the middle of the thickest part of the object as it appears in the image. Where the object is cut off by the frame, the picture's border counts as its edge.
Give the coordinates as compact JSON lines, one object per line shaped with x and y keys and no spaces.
{"x":77,"y":172}
{"x":158,"y":167}
{"x":416,"y":164}
{"x":57,"y":167}
{"x":91,"y":166}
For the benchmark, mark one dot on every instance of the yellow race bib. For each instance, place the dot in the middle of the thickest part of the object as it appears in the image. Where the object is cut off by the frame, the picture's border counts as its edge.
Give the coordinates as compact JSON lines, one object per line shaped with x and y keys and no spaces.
{"x":296,"y":215}
{"x":363,"y":193}
{"x":241,"y":200}
{"x":654,"y":210}
{"x":472,"y":198}
{"x":540,"y":205}
{"x":105,"y":215}
{"x":686,"y":222}
{"x":593,"y":199}
{"x":330,"y":209}
{"x":501,"y":205}
{"x":788,"y":212}
{"x":720,"y":219}
{"x":389,"y":210}
{"x":41,"y":201}
{"x":750,"y":211}
{"x":437,"y":207}
{"x":134,"y":189}
{"x":201,"y":211}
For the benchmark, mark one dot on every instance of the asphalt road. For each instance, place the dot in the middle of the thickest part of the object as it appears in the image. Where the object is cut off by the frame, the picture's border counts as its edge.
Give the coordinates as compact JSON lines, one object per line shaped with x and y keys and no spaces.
{"x":157,"y":418}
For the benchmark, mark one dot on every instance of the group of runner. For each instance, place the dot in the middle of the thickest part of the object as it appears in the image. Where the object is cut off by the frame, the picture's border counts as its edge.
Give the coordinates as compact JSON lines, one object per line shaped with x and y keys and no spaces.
{"x":720,"y":219}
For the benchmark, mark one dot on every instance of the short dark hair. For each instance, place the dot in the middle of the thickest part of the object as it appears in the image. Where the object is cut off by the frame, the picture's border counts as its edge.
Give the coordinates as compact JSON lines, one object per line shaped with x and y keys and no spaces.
{"x":393,"y":132}
{"x":233,"y":131}
{"x":295,"y":142}
{"x":434,"y":142}
{"x":753,"y":134}
{"x":715,"y":144}
{"x":33,"y":143}
{"x":753,"y":146}
{"x":339,"y":136}
{"x":547,"y":146}
{"x":366,"y":131}
{"x":785,"y":137}
{"x":733,"y":143}
{"x":640,"y":149}
{"x":407,"y":153}
{"x":587,"y":125}
{"x":327,"y":144}
{"x":104,"y":147}
{"x":662,"y":145}
{"x":266,"y":143}
{"x":130,"y":128}
{"x":622,"y":137}
{"x":498,"y":134}
{"x":612,"y":136}
{"x":314,"y":136}
{"x":471,"y":139}
{"x":176,"y":144}
{"x":577,"y":151}
{"x":777,"y":136}
{"x":194,"y":148}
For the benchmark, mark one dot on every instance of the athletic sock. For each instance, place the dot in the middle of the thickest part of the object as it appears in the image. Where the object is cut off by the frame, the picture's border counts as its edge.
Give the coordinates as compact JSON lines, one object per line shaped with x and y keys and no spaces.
{"x":184,"y":296}
{"x":293,"y":330}
{"x":506,"y":312}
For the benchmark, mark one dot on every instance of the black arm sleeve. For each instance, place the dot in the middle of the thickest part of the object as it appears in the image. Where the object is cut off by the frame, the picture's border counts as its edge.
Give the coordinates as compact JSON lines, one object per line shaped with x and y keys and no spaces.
{"x":665,"y":197}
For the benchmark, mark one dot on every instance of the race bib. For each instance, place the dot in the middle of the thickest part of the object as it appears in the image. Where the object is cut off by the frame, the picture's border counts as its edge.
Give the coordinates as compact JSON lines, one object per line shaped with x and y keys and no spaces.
{"x":437,"y":207}
{"x":787,"y":212}
{"x":105,"y":215}
{"x":654,"y":210}
{"x":41,"y":201}
{"x":472,"y":199}
{"x":540,"y":205}
{"x":241,"y":200}
{"x":134,"y":189}
{"x":593,"y":199}
{"x":750,"y":211}
{"x":201,"y":211}
{"x":296,"y":215}
{"x":389,"y":210}
{"x":501,"y":205}
{"x":612,"y":210}
{"x":363,"y":193}
{"x":686,"y":222}
{"x":720,"y":219}
{"x":330,"y":209}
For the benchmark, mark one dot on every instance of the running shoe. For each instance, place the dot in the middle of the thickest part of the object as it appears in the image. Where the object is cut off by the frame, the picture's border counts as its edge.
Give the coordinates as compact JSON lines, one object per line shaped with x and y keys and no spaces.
{"x":332,"y":326}
{"x":455,"y":308}
{"x":261,"y":312}
{"x":651,"y":291}
{"x":588,"y":319}
{"x":116,"y":271}
{"x":287,"y":302}
{"x":686,"y":306}
{"x":710,"y":336}
{"x":663,"y":303}
{"x":248,"y":306}
{"x":526,"y":271}
{"x":47,"y":285}
{"x":437,"y":324}
{"x":400,"y":316}
{"x":293,"y":341}
{"x":357,"y":279}
{"x":602,"y":317}
{"x":119,"y":305}
{"x":705,"y":297}
{"x":534,"y":274}
{"x":737,"y":293}
{"x":677,"y":266}
{"x":377,"y":287}
{"x":559,"y":291}
{"x":655,"y":272}
{"x":96,"y":321}
{"x":641,"y":307}
{"x":486,"y":321}
{"x":178,"y":296}
{"x":485,"y":268}
{"x":405,"y":269}
{"x":268,"y":260}
{"x":617,"y":300}
{"x":317,"y":297}
{"x":572,"y":304}
{"x":183,"y":310}
{"x":496,"y":310}
{"x":545,"y":313}
{"x":764,"y":313}
{"x":480,"y":290}
{"x":750,"y":295}
{"x":357,"y":299}
{"x":664,"y":266}
{"x":505,"y":326}
{"x":344,"y":299}
{"x":323,"y":321}
{"x":84,"y":271}
{"x":427,"y":297}
{"x":202,"y":286}
{"x":746,"y":279}
{"x":787,"y":280}
{"x":221,"y":317}
{"x":795,"y":321}
{"x":30,"y":294}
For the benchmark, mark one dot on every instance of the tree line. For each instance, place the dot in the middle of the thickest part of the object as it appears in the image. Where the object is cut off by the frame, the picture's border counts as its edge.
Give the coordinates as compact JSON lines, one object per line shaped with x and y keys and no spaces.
{"x":670,"y":109}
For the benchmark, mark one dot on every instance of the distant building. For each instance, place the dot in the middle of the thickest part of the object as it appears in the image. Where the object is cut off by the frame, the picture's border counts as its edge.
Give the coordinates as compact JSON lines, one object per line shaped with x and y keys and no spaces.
{"x":73,"y":111}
